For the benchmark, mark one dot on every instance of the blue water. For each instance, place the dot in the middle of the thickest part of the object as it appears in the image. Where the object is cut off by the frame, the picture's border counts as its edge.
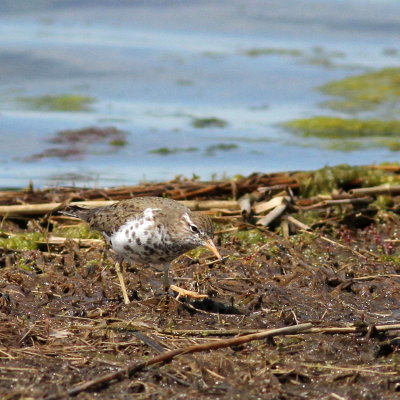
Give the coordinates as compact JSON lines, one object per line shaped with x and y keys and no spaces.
{"x":153,"y":66}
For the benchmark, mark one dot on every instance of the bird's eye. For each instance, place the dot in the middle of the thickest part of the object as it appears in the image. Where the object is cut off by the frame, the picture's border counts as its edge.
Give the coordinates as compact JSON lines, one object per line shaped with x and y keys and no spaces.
{"x":194,"y":229}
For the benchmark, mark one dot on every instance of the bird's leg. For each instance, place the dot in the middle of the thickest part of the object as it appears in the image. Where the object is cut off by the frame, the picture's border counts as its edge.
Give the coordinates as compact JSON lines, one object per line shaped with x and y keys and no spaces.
{"x":121,"y":282}
{"x":181,"y":292}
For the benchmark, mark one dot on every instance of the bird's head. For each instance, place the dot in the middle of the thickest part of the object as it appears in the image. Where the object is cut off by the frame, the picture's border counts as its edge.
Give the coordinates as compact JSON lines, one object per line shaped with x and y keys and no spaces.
{"x":199,"y":231}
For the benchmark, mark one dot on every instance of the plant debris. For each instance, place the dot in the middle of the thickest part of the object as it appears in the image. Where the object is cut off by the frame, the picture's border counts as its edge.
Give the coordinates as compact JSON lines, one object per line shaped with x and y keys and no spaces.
{"x":321,"y":261}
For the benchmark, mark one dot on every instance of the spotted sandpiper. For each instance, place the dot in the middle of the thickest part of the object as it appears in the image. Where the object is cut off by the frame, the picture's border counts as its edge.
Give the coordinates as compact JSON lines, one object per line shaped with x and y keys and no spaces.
{"x":149,"y":230}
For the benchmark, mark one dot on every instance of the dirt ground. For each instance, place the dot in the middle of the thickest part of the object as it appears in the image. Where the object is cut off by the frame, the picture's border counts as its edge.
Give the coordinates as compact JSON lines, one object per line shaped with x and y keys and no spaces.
{"x":63,"y":321}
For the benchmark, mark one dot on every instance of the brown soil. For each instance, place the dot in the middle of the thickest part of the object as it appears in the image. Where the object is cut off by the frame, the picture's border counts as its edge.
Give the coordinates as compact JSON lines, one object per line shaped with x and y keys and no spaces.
{"x":63,"y":321}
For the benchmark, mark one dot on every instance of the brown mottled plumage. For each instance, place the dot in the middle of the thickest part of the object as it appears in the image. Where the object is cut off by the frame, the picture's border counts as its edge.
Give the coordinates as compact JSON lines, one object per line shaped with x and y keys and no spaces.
{"x":148,"y":229}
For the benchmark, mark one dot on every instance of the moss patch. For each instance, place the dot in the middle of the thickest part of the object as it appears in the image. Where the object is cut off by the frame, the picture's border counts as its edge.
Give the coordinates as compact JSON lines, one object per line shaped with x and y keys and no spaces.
{"x":79,"y":231}
{"x":325,"y":180}
{"x":210,"y":122}
{"x":251,"y":236}
{"x":342,"y":128}
{"x":364,"y":92}
{"x":21,"y":241}
{"x":66,"y":102}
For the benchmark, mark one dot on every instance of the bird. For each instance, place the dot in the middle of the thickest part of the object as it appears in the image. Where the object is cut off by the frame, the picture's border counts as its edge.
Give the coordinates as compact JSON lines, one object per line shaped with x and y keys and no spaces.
{"x":149,"y":230}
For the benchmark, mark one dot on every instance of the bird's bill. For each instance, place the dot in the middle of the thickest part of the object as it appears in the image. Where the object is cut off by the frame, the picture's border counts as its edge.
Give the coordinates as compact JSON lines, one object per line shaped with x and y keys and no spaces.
{"x":211,"y":246}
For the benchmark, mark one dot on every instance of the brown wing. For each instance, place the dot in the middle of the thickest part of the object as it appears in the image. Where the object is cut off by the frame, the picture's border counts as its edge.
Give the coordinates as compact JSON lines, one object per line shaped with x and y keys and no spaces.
{"x":109,"y":218}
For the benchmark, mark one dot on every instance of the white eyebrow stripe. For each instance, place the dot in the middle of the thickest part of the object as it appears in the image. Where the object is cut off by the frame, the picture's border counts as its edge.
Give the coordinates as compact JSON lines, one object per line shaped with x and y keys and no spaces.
{"x":187,"y":219}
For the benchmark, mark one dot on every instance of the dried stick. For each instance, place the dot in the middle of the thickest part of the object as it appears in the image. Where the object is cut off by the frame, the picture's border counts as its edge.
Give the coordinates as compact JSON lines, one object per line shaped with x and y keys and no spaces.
{"x":169,"y":355}
{"x":298,"y":223}
{"x":272,"y":215}
{"x":44,"y":208}
{"x":322,"y":329}
{"x":122,"y":282}
{"x":382,"y":189}
{"x":355,"y":329}
{"x":270,"y":204}
{"x":56,"y":240}
{"x":245,"y":205}
{"x":337,"y":202}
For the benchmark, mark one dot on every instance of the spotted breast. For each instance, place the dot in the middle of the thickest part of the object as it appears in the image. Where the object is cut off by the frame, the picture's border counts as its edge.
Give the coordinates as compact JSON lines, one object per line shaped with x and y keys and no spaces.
{"x":142,"y":240}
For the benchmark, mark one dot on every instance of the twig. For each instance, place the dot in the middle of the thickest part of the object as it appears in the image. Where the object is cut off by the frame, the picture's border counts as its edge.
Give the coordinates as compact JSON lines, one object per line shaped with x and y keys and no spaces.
{"x":169,"y":355}
{"x":56,"y":240}
{"x":372,"y":277}
{"x":272,"y":215}
{"x":245,"y":204}
{"x":298,"y":223}
{"x":354,"y":329}
{"x":233,"y":332}
{"x":382,"y":189}
{"x":44,"y":208}
{"x":270,"y":204}
{"x":149,"y":342}
{"x":328,"y":203}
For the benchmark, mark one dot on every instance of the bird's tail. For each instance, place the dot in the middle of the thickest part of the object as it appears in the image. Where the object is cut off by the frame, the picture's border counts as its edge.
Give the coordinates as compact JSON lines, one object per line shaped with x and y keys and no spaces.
{"x":78,"y":212}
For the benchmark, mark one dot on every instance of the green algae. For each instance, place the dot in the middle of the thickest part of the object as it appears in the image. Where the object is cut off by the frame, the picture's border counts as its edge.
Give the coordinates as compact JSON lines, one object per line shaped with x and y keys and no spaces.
{"x":66,"y":102}
{"x":364,"y":92}
{"x":165,"y":151}
{"x":266,"y":51}
{"x":209,"y":122}
{"x":196,"y":253}
{"x":344,"y":145}
{"x":118,"y":143}
{"x":391,"y":144}
{"x":327,"y":179}
{"x":184,"y":82}
{"x":21,"y":241}
{"x":251,"y":236}
{"x":25,"y":264}
{"x":309,"y":217}
{"x":390,"y":52}
{"x":211,"y":150}
{"x":79,"y":231}
{"x":341,"y":128}
{"x":383,"y":202}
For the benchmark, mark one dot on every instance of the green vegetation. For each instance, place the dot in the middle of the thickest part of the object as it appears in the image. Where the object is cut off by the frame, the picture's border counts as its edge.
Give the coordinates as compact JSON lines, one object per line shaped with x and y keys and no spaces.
{"x":196,"y":253}
{"x":325,"y":180}
{"x":210,"y":122}
{"x":251,"y":236}
{"x":344,"y":145}
{"x":184,"y":82}
{"x":377,"y":92}
{"x":341,"y":128}
{"x":21,"y":241}
{"x":118,"y":143}
{"x":365,"y":92}
{"x":256,"y":52}
{"x":165,"y":151}
{"x":210,"y":150}
{"x":79,"y":231}
{"x":390,"y":52}
{"x":66,"y":102}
